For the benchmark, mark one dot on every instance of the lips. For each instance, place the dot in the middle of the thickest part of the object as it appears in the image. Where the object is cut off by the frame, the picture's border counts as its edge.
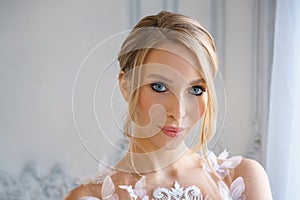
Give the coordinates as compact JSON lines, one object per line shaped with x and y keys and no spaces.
{"x":172,"y":131}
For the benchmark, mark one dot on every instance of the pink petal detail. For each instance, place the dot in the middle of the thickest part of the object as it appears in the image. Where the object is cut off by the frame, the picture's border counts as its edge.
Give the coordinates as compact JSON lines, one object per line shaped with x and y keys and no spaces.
{"x":237,"y":188}
{"x":141,"y":183}
{"x":140,"y":193}
{"x":223,"y":155}
{"x":89,"y":198}
{"x":108,"y":188}
{"x":223,"y":188}
{"x":140,"y":187}
{"x":231,"y":162}
{"x":145,"y":198}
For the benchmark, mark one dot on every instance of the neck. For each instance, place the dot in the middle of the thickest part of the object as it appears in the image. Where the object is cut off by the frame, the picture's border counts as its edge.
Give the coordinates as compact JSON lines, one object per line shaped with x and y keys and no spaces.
{"x":145,"y":162}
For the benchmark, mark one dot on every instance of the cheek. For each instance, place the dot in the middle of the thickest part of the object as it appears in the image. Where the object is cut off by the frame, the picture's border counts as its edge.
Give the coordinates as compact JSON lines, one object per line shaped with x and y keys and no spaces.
{"x":202,"y":107}
{"x":197,"y":109}
{"x":149,"y":108}
{"x":143,"y":106}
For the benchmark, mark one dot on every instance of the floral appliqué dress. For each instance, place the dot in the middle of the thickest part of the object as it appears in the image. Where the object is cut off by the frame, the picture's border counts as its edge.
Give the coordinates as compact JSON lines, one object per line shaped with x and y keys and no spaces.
{"x":138,"y":191}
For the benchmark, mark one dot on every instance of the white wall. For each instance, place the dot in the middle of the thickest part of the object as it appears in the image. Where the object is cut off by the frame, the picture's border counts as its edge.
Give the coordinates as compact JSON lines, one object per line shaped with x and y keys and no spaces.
{"x":42,"y":46}
{"x":238,"y":69}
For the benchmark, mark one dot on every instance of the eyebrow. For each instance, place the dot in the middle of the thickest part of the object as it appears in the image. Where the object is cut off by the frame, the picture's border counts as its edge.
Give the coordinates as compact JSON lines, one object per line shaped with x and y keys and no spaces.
{"x":160,"y":77}
{"x":157,"y":76}
{"x":200,"y":80}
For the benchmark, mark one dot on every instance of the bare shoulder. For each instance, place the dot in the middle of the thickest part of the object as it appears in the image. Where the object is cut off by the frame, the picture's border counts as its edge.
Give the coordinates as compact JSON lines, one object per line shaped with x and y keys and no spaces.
{"x":83,"y":191}
{"x":255,"y":178}
{"x":249,"y":167}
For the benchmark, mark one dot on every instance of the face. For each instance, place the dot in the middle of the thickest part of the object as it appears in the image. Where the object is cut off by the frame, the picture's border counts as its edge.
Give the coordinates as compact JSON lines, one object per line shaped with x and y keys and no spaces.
{"x":172,"y":98}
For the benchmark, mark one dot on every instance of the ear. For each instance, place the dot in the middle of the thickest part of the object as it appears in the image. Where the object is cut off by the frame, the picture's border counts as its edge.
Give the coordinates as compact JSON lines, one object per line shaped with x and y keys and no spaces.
{"x":124,"y":85}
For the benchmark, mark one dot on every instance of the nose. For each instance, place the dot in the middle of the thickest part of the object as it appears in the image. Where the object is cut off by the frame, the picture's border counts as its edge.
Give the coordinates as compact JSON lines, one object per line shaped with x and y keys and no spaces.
{"x":176,"y":107}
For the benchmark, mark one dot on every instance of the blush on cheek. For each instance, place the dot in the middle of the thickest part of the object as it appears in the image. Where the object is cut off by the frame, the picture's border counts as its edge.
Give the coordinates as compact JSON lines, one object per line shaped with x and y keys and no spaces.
{"x":157,"y":114}
{"x":203,"y":106}
{"x":141,"y":116}
{"x":148,"y":119}
{"x":197,"y":111}
{"x":150,"y":114}
{"x":144,"y":104}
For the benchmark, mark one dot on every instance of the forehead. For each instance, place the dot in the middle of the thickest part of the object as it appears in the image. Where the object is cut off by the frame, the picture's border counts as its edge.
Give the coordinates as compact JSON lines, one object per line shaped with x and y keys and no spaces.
{"x":171,"y":60}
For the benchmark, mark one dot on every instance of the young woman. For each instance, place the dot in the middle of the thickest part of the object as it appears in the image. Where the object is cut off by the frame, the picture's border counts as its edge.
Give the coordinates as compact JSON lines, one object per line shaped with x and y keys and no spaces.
{"x":168,"y":65}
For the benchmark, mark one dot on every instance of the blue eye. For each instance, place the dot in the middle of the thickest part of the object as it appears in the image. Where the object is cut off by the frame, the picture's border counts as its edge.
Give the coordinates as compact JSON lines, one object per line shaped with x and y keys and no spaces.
{"x":159,"y":87}
{"x":197,"y":90}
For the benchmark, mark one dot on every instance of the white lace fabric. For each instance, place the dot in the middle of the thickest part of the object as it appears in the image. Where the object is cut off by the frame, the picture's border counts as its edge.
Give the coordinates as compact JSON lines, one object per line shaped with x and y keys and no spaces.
{"x":138,"y":192}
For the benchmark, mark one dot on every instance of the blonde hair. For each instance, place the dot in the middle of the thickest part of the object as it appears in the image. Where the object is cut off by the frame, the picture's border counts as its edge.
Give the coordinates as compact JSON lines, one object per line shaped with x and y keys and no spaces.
{"x":155,"y":30}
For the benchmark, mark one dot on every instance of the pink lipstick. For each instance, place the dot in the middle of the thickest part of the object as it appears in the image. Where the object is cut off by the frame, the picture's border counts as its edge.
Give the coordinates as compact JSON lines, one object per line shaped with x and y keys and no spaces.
{"x":172,"y":131}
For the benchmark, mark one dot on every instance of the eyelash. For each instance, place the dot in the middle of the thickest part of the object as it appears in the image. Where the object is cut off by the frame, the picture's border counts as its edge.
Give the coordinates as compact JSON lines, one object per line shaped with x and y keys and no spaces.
{"x":154,"y":85}
{"x":165,"y":88}
{"x":202,"y":89}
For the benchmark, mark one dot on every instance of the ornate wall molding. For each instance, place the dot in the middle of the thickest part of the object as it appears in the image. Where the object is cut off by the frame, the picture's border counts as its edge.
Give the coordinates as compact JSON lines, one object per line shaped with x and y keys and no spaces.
{"x":32,"y":183}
